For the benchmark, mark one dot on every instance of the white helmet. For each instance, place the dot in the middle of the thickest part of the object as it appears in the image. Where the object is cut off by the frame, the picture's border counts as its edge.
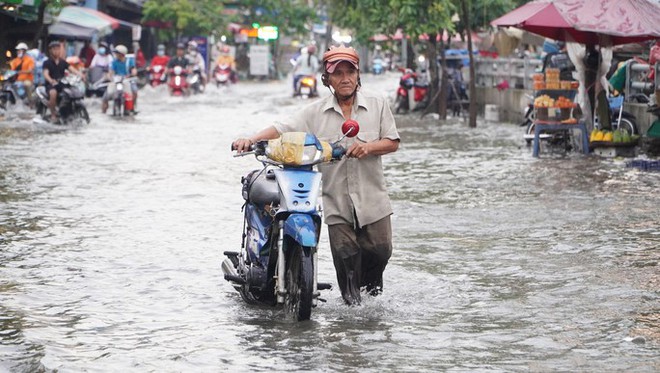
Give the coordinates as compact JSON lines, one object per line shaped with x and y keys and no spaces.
{"x":22,"y":46}
{"x":121,"y":49}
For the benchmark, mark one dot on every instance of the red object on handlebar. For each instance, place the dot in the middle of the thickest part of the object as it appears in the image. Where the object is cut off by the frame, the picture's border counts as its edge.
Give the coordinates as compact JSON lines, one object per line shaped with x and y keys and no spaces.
{"x":350,"y":128}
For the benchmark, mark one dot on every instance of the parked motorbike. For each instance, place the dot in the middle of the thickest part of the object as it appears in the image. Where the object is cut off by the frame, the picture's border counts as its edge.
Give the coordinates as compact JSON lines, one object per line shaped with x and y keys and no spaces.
{"x":122,"y":102}
{"x":412,"y":94}
{"x":157,"y":75}
{"x":13,"y":91}
{"x":195,"y":80}
{"x":306,"y":87}
{"x":222,"y":74}
{"x":278,"y":260}
{"x":178,"y":83}
{"x":70,"y":105}
{"x":619,"y":117}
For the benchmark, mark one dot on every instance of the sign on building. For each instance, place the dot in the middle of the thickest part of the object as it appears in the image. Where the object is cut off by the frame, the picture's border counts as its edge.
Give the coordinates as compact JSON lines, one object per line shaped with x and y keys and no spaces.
{"x":259,"y":59}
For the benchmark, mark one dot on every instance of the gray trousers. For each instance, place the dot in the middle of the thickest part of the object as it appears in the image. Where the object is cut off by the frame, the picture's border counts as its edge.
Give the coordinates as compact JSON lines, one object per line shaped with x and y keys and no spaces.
{"x":360,"y":256}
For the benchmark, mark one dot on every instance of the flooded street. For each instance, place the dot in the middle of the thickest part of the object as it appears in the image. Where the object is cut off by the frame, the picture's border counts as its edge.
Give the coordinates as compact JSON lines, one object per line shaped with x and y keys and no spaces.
{"x":111,"y":240}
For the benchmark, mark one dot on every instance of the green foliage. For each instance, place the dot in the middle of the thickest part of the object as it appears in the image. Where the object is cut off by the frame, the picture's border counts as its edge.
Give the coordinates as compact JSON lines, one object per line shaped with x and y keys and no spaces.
{"x":189,"y":17}
{"x":290,"y":16}
{"x":369,"y":17}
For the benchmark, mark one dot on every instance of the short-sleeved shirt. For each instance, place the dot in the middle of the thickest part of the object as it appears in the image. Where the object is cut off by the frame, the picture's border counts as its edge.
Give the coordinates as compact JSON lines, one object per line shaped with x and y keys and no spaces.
{"x":354,"y":190}
{"x":122,"y":68}
{"x":56,"y":70}
{"x":178,"y":61}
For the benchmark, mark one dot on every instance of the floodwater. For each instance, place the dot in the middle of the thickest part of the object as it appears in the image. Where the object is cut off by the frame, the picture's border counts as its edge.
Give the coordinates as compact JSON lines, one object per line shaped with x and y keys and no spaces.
{"x":111,"y":239}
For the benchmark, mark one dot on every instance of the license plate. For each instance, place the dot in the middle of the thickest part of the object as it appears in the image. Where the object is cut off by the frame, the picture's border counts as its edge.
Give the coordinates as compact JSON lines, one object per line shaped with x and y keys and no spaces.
{"x":305,"y":90}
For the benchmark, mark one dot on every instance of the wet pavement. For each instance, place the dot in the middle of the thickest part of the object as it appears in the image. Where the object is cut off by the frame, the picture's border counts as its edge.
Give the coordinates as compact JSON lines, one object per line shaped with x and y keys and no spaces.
{"x":111,"y":239}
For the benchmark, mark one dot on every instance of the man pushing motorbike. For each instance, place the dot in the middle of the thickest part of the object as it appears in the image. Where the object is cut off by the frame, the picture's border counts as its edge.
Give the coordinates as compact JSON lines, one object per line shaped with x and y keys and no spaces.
{"x":357,"y":207}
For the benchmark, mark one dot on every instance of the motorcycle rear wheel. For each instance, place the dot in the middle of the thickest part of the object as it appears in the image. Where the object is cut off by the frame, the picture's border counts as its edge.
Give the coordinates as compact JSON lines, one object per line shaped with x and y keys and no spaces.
{"x":626,"y":124}
{"x":299,"y":284}
{"x":399,"y":104}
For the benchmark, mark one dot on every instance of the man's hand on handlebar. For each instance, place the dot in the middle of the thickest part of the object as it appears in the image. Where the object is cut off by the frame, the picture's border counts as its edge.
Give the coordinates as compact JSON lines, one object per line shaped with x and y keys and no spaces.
{"x":242,"y":145}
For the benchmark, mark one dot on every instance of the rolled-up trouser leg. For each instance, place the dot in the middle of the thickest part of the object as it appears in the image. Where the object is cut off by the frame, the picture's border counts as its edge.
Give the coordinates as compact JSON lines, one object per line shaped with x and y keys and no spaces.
{"x":375,"y":240}
{"x":360,"y":256}
{"x":347,"y":259}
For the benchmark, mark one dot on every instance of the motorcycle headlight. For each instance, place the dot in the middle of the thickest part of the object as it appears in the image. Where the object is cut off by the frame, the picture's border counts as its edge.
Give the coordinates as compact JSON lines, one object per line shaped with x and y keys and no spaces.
{"x":308,"y":81}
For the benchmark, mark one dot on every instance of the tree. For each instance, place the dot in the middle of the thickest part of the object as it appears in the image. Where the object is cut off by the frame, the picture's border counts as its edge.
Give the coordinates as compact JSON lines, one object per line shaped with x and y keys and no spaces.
{"x":291,"y":17}
{"x":465,"y":10}
{"x":415,"y":17}
{"x":187,"y":17}
{"x":51,"y":6}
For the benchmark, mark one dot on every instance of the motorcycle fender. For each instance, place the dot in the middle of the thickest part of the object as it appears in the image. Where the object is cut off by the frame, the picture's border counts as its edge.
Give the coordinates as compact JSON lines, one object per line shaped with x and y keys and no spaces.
{"x":402,"y":92}
{"x":302,"y":229}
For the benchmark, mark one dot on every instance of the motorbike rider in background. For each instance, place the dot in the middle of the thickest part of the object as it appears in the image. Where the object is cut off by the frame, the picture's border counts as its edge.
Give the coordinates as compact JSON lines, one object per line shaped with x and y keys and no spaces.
{"x":55,"y":69}
{"x":178,"y":60}
{"x":225,"y":58}
{"x":102,"y":58}
{"x":121,"y":66}
{"x":196,"y":60}
{"x":307,"y":64}
{"x":356,"y":206}
{"x":23,"y":64}
{"x":161,"y":58}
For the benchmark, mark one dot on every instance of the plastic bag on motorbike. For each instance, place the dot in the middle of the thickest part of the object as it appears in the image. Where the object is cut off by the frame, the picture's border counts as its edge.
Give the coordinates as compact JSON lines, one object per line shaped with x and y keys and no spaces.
{"x":298,"y":149}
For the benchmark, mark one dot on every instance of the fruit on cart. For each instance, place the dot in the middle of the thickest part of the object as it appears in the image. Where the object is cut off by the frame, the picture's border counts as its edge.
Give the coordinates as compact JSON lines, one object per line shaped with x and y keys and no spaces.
{"x":596,"y":135}
{"x":564,"y":103}
{"x":607,"y":137}
{"x":544,"y":101}
{"x":617,"y":136}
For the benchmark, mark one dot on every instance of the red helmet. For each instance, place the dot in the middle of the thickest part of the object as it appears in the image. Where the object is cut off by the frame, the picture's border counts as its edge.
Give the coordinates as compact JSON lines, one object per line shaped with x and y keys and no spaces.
{"x":334,"y":55}
{"x":311,"y":49}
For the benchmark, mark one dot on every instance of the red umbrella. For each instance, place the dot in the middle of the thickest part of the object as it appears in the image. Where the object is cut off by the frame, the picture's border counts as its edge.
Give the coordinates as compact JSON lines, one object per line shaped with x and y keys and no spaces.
{"x":588,"y":21}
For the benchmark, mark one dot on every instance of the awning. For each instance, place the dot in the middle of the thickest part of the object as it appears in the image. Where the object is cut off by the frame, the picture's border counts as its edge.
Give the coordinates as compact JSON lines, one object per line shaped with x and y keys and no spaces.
{"x":88,"y":18}
{"x":69,"y":30}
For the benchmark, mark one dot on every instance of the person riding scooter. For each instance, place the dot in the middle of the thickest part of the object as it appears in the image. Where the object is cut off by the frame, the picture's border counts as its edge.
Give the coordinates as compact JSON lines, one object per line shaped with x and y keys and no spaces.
{"x":226,"y":59}
{"x":159,"y":62}
{"x":196,"y":60}
{"x":179,"y":60}
{"x":307,"y":64}
{"x":55,"y":69}
{"x":121,"y":66}
{"x":24,"y":66}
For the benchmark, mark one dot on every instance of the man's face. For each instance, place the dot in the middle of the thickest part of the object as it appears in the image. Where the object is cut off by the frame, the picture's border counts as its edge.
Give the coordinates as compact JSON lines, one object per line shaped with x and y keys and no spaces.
{"x":119,"y":56}
{"x":55,"y":51}
{"x":344,"y":79}
{"x":179,"y":52}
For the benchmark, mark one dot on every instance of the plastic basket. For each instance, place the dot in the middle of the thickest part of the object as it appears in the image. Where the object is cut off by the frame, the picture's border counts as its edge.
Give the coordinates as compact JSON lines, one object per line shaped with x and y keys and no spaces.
{"x":644,"y":165}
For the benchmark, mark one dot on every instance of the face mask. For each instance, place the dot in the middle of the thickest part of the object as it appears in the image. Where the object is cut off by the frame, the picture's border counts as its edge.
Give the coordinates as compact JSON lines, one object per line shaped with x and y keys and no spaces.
{"x":19,"y":53}
{"x":102,"y":51}
{"x":161,"y":53}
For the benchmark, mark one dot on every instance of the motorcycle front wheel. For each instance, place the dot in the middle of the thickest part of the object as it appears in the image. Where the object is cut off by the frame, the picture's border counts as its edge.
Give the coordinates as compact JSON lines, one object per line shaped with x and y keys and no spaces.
{"x":82,"y":113}
{"x":299,"y":284}
{"x":398,"y":104}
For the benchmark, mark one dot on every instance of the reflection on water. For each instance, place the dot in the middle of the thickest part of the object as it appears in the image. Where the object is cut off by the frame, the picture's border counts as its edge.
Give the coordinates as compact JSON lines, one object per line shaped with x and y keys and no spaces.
{"x":112,"y":236}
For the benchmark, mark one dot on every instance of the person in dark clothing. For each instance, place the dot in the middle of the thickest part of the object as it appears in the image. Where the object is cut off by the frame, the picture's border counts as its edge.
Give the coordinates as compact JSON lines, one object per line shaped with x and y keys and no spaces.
{"x":178,"y":60}
{"x":55,"y":68}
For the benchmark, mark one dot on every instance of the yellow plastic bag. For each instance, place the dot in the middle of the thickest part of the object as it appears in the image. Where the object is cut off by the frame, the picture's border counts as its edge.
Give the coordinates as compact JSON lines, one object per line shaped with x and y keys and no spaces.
{"x":290,"y":149}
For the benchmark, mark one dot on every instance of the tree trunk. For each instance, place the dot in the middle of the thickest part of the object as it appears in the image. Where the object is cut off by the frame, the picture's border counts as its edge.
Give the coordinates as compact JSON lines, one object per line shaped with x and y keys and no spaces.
{"x":442,"y":100}
{"x":433,"y":69}
{"x":473,"y":96}
{"x":40,"y":23}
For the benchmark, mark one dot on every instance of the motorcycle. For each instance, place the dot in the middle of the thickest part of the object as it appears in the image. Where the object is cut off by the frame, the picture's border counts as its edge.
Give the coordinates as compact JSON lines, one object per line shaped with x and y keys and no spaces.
{"x":222,"y":74}
{"x":98,"y":81}
{"x":278,"y":261}
{"x":412,"y":94}
{"x":122,"y":102}
{"x":306,"y":87}
{"x":70,"y":105}
{"x":13,"y":91}
{"x":377,"y":67}
{"x":178,"y":83}
{"x":195,"y":80}
{"x":156,"y":75}
{"x":620,"y":118}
